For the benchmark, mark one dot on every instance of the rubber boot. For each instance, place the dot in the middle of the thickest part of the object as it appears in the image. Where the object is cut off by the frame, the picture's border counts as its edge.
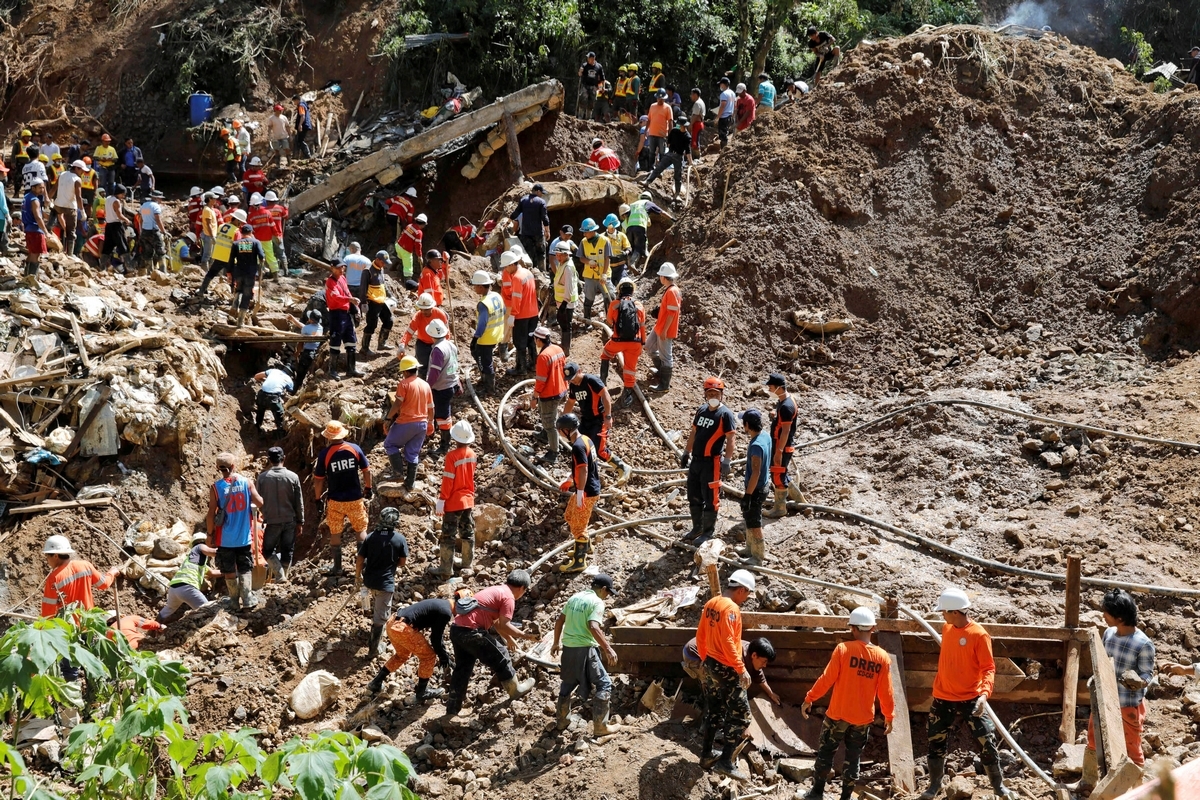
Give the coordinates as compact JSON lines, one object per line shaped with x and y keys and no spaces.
{"x":757,"y":547}
{"x":817,"y":792}
{"x":997,"y":780}
{"x":518,"y":690}
{"x":587,"y":309}
{"x":425,"y":693}
{"x":410,"y":476}
{"x":234,"y":599}
{"x":241,"y":317}
{"x":725,"y":765}
{"x":627,"y":397}
{"x":246,"y":590}
{"x":600,"y":726}
{"x":468,"y":553}
{"x":708,"y":526}
{"x":376,"y":684}
{"x":453,"y":705}
{"x":383,"y":337}
{"x":276,"y":569}
{"x":625,"y":469}
{"x":780,"y":508}
{"x":501,"y":353}
{"x":794,"y":494}
{"x":336,"y":569}
{"x":591,"y":545}
{"x":373,"y":644}
{"x":656,"y":364}
{"x":604,"y":365}
{"x":578,"y":560}
{"x":707,"y":759}
{"x":445,"y":567}
{"x":444,"y":446}
{"x":937,"y":771}
{"x":487,"y":385}
{"x":351,"y":366}
{"x":664,"y":380}
{"x":562,"y":716}
{"x":397,"y":463}
{"x":697,"y":525}
{"x":332,"y":369}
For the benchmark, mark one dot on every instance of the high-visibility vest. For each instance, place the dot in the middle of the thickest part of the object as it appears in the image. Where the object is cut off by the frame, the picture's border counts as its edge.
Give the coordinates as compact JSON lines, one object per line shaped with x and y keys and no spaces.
{"x":88,"y":179}
{"x":177,"y":248}
{"x":593,"y":255}
{"x":227,"y":234}
{"x":190,"y":574}
{"x":657,"y":82}
{"x":638,"y":216}
{"x":494,"y":331}
{"x":622,"y":87}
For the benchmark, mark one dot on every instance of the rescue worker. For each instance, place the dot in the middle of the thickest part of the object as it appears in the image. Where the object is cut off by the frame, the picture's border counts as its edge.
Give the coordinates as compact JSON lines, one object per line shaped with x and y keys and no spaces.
{"x":627,"y":319}
{"x":678,"y":149}
{"x":522,"y":303}
{"x":227,"y":234}
{"x":566,"y":290}
{"x":183,"y":251}
{"x":263,"y":224}
{"x":210,"y":220}
{"x":482,"y":630}
{"x":400,"y":210}
{"x":151,"y":233}
{"x":755,"y":655}
{"x":232,"y":206}
{"x":766,"y":93}
{"x":824,"y":47}
{"x":637,"y":226}
{"x":620,"y":94}
{"x":342,"y":483}
{"x":489,"y":329}
{"x":591,"y":75}
{"x":409,"y":421}
{"x":273,"y":385}
{"x":432,"y":274}
{"x":725,"y":111}
{"x":584,"y":486}
{"x":247,"y":261}
{"x":302,"y":127}
{"x":229,"y":526}
{"x":427,"y":312}
{"x":534,"y":218}
{"x":706,"y":458}
{"x":456,"y":501}
{"x":133,"y":628}
{"x":758,"y":457}
{"x":783,"y":434}
{"x":590,"y":401}
{"x":858,"y":672}
{"x":408,"y":246}
{"x":603,"y":159}
{"x":725,"y":678}
{"x":696,"y":121}
{"x":278,"y":130}
{"x":186,"y":589}
{"x":578,"y":635}
{"x":229,"y":147}
{"x":602,"y":110}
{"x":744,"y":108}
{"x":254,"y":180}
{"x":658,"y":81}
{"x":660,"y":115}
{"x":19,"y":156}
{"x":339,"y":302}
{"x":106,"y":163}
{"x":374,"y":293}
{"x":618,"y":245}
{"x":71,"y":580}
{"x":633,"y":97}
{"x":379,"y":555}
{"x":596,"y":254}
{"x":242,"y":134}
{"x":966,"y":676}
{"x":308,"y":350}
{"x":282,"y":513}
{"x":549,"y":390}
{"x":660,"y":342}
{"x":356,"y":266}
{"x":90,"y":181}
{"x":443,"y":379}
{"x":404,"y":632}
{"x":279,"y":215}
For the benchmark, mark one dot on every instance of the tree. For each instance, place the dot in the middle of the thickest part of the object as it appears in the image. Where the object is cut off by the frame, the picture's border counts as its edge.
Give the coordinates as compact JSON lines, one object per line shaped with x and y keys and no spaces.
{"x":777,"y":13}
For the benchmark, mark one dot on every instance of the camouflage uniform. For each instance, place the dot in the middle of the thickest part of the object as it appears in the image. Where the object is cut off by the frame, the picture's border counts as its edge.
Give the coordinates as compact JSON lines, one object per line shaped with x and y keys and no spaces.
{"x":727,"y":706}
{"x":833,"y":732}
{"x":944,"y":716}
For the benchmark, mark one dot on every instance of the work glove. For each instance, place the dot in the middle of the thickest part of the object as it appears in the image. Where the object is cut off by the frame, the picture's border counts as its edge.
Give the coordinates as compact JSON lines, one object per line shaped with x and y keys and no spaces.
{"x":980,"y":705}
{"x":565,"y":485}
{"x":439,"y":508}
{"x":579,"y":498}
{"x":685,"y":459}
{"x":726,"y":467}
{"x":367,"y":492}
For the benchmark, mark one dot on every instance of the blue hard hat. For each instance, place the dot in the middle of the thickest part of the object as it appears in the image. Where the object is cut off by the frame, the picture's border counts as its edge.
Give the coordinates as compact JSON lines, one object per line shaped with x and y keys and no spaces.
{"x":588,"y":225}
{"x":611,"y":221}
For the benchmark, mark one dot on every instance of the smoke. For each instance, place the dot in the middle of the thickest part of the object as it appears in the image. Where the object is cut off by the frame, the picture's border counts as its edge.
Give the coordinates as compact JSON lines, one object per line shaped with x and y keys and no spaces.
{"x":1029,"y":14}
{"x":1090,"y":22}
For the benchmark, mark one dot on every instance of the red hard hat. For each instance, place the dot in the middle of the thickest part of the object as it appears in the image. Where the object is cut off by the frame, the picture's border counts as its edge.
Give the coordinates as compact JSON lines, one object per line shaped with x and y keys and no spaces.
{"x":713,"y":382}
{"x":278,"y":107}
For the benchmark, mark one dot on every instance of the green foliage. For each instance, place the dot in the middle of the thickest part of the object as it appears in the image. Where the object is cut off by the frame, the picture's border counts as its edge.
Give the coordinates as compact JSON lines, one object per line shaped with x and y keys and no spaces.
{"x":1141,"y":54}
{"x":1162,"y":85}
{"x":842,"y":18}
{"x":889,"y":18}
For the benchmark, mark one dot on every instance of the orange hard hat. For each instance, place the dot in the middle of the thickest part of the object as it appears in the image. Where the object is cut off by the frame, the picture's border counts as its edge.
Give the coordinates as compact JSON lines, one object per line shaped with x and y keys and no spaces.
{"x":237,"y":123}
{"x":87,"y":160}
{"x":106,"y":138}
{"x":224,"y":131}
{"x":713,"y":382}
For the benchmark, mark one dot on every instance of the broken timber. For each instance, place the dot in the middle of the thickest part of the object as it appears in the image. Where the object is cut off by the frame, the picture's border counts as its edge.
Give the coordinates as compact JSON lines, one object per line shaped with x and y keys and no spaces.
{"x":570,"y":194}
{"x":498,"y":138}
{"x":1118,"y":773}
{"x":385,"y":160}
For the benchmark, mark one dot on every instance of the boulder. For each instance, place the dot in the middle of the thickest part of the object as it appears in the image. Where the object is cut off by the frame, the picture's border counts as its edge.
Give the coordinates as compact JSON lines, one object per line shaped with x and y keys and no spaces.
{"x":960,"y":788}
{"x":490,"y":521}
{"x":796,"y":770}
{"x":1068,"y":761}
{"x":166,"y":549}
{"x":314,"y":694}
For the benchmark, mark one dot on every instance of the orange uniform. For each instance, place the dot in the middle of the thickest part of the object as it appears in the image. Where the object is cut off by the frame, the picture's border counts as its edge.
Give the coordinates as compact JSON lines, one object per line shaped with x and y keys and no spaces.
{"x":966,"y":668}
{"x":630,"y":351}
{"x":550,"y":382}
{"x":458,"y":479}
{"x":667,"y":324}
{"x":720,"y":633}
{"x":263,"y":223}
{"x":72,"y":583}
{"x":431,"y":281}
{"x":857,"y":673}
{"x":135,"y":629}
{"x":415,"y":398}
{"x":418,"y":325}
{"x":520,"y":294}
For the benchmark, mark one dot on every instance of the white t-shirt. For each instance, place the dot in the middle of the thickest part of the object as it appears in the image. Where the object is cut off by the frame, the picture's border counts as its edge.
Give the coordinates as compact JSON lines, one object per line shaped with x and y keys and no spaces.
{"x":698,"y":109}
{"x":147,"y":179}
{"x":66,"y":190}
{"x":51,"y":150}
{"x":277,"y":382}
{"x":110,"y":212}
{"x":277,"y":127}
{"x":243,"y":138}
{"x":730,"y":100}
{"x":32,"y":170}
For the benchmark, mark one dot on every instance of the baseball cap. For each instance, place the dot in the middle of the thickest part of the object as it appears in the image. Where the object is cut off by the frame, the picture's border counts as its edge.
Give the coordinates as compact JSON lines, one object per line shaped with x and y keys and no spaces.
{"x":602,"y":580}
{"x":537,"y":187}
{"x":776,"y":379}
{"x":383,"y":256}
{"x":751,"y":415}
{"x":275,"y":453}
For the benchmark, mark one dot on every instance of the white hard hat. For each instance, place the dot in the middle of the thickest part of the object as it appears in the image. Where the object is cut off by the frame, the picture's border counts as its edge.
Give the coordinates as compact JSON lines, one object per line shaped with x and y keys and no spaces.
{"x":58,"y":545}
{"x":256,"y":199}
{"x":270,"y":196}
{"x":953,"y":599}
{"x":436,"y":329}
{"x":508,"y":258}
{"x":239,"y":215}
{"x":744,"y":578}
{"x":219,"y":191}
{"x":518,"y":249}
{"x":563,"y":247}
{"x":194,"y":191}
{"x":256,"y":162}
{"x":411,"y":191}
{"x":667,"y":270}
{"x":425,"y":301}
{"x":234,"y":200}
{"x":462,"y":433}
{"x":623,"y":208}
{"x":625,"y":279}
{"x":862,"y":617}
{"x":421,"y":218}
{"x":481,"y":278}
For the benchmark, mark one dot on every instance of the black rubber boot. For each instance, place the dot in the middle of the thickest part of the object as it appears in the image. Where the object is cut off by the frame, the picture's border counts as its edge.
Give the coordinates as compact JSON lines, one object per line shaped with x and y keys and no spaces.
{"x":487,"y":385}
{"x":697,"y":524}
{"x":725,"y":764}
{"x":351,"y":366}
{"x":397,"y":463}
{"x":937,"y":771}
{"x":664,"y":380}
{"x":817,"y":792}
{"x":707,"y":759}
{"x":444,"y":446}
{"x":383,"y":337}
{"x":708,"y":526}
{"x":336,"y":569}
{"x":587,"y":309}
{"x":847,"y":791}
{"x":453,"y":705}
{"x":376,"y":684}
{"x":373,"y":645}
{"x":410,"y":476}
{"x":425,"y":693}
{"x":997,"y":780}
{"x":604,"y":365}
{"x":332,"y":368}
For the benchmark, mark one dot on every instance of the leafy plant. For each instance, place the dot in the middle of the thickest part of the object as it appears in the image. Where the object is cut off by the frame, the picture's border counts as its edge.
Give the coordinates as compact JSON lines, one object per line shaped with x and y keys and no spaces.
{"x":1141,"y":54}
{"x":1162,"y":84}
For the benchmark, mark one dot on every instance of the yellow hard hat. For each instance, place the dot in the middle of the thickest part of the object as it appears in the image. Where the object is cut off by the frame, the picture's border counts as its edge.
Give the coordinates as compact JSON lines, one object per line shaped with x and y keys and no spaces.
{"x":623,"y":68}
{"x":633,"y":67}
{"x":409,"y":362}
{"x":26,"y":133}
{"x":44,"y":158}
{"x":656,"y":65}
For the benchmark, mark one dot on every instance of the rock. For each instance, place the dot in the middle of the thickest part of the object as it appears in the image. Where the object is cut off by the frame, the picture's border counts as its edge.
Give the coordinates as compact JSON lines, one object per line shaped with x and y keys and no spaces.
{"x":757,"y":765}
{"x":1074,"y":510}
{"x":165,"y":549}
{"x":1068,"y":761}
{"x":372,"y":734}
{"x":814,"y":608}
{"x":796,"y":770}
{"x":1070,"y":455}
{"x":428,"y":786}
{"x":391,"y":490}
{"x":441,"y":758}
{"x":313,"y":694}
{"x":490,"y":521}
{"x":1034,"y":332}
{"x":1132,"y":680}
{"x":422,"y":751}
{"x":239,"y":713}
{"x":1032,"y":445}
{"x":960,"y":788}
{"x":1052,"y":459}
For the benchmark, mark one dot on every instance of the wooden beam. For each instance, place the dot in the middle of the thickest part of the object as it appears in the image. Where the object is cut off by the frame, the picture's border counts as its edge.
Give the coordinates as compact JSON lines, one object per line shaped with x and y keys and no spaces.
{"x":900,"y":752}
{"x":33,"y":379}
{"x":1066,"y":729}
{"x":1118,"y":773}
{"x":514,"y":147}
{"x":86,"y":423}
{"x":1074,"y":563}
{"x":425,"y":142}
{"x":83,"y":353}
{"x":759,"y":619}
{"x":57,"y":505}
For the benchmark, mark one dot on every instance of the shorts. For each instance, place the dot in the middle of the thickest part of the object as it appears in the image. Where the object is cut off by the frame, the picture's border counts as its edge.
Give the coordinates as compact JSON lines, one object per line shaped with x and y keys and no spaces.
{"x":280,"y":144}
{"x":35,"y":243}
{"x":338,"y":512}
{"x":752,"y":505}
{"x":234,"y":560}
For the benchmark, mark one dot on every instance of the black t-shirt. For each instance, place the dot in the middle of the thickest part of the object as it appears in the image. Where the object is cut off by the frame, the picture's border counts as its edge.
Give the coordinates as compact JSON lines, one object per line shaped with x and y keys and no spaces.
{"x":247,"y":254}
{"x":823,"y":45}
{"x":593,"y":74}
{"x":431,"y":615}
{"x":589,"y":402}
{"x":584,"y":452}
{"x":339,"y":465}
{"x":711,"y":425}
{"x":678,"y":141}
{"x":785,"y":412}
{"x":382,"y":549}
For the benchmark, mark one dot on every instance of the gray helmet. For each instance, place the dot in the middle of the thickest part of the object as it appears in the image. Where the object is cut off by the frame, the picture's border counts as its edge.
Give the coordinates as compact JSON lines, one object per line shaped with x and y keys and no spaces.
{"x":389,"y":517}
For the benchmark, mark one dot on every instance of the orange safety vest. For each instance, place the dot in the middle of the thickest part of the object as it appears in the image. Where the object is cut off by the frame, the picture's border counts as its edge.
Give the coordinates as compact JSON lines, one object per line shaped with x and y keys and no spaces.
{"x":458,"y":479}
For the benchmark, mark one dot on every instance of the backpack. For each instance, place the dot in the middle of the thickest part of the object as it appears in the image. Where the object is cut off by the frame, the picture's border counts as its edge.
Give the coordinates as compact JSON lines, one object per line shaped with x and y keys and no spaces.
{"x":465,"y":602}
{"x":628,"y":329}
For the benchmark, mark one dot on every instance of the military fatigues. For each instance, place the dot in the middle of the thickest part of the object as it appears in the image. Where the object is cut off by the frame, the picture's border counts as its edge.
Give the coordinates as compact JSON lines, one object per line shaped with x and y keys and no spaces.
{"x":727,"y":705}
{"x":944,"y":716}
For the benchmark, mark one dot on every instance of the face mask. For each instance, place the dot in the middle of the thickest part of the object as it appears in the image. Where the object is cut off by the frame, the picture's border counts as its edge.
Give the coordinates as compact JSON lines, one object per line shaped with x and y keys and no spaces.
{"x":714,"y":402}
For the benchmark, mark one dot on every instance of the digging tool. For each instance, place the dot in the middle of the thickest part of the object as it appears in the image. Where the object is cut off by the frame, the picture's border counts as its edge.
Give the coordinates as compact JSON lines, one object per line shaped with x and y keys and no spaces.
{"x":817,"y":72}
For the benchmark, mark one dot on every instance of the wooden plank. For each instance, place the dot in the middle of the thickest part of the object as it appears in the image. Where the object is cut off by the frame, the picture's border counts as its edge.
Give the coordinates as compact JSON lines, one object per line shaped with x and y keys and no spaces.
{"x":31,"y":439}
{"x":759,"y":619}
{"x":1106,"y":711}
{"x":514,"y":147}
{"x":56,"y":505}
{"x":86,"y":422}
{"x":33,"y":379}
{"x":83,"y":353}
{"x":1074,"y":563}
{"x":415,"y":147}
{"x":1066,"y":729}
{"x":900,"y":752}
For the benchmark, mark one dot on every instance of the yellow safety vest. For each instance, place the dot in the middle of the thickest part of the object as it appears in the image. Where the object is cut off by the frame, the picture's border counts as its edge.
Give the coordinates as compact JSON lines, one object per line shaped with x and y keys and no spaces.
{"x":223,"y":241}
{"x":622,"y":87}
{"x":88,"y":179}
{"x":593,"y":254}
{"x":494,"y":331}
{"x":657,"y":82}
{"x":177,"y":254}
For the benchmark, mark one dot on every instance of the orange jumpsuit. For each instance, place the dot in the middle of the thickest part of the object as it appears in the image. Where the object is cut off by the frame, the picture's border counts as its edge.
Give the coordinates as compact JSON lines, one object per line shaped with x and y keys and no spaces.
{"x":629,"y":351}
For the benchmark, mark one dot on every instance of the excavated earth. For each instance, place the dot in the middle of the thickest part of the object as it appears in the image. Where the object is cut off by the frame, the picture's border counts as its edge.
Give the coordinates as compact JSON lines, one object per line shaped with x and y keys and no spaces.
{"x":1006,"y":223}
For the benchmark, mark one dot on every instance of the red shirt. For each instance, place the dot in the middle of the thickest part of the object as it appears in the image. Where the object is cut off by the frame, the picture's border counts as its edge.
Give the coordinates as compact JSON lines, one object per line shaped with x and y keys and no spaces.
{"x":550,"y":379}
{"x":401,"y":208}
{"x":337,"y":294}
{"x":641,"y":315}
{"x":279,"y":213}
{"x":410,"y":240}
{"x":255,"y":180}
{"x":415,"y":398}
{"x":135,"y":628}
{"x":263,"y":223}
{"x":605,"y":160}
{"x":744,"y":110}
{"x":458,"y":479}
{"x":494,"y":602}
{"x":667,"y":324}
{"x":195,"y":206}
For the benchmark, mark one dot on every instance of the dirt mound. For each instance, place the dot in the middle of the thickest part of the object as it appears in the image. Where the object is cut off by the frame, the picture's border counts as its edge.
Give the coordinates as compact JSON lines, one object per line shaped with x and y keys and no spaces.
{"x":949,"y":193}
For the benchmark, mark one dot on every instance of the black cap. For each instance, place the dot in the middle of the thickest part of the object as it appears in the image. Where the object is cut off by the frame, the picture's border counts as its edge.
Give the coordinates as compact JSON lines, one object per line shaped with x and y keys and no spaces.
{"x":537,"y":187}
{"x":602,"y":580}
{"x":752,"y":415}
{"x":591,"y":54}
{"x":570,"y":369}
{"x":776,"y":379}
{"x":246,"y":229}
{"x":275,"y":454}
{"x":723,"y":80}
{"x":566,"y":229}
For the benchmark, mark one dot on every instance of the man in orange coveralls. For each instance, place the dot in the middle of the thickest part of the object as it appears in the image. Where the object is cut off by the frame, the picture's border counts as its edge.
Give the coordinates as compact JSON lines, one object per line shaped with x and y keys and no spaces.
{"x":70,"y":581}
{"x":858,"y":672}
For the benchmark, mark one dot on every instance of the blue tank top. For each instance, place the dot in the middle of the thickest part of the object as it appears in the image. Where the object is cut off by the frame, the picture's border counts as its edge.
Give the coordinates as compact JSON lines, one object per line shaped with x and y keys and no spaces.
{"x":234,"y":497}
{"x":28,"y":220}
